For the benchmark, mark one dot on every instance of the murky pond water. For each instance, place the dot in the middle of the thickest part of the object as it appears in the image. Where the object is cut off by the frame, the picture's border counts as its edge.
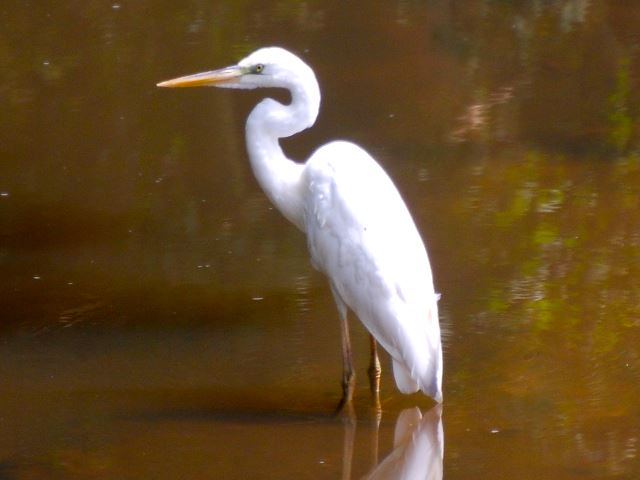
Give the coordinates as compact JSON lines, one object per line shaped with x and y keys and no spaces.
{"x":160,"y":320}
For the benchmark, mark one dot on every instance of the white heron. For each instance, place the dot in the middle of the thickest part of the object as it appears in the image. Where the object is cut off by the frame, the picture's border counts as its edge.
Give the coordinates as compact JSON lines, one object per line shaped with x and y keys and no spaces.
{"x":359,"y":231}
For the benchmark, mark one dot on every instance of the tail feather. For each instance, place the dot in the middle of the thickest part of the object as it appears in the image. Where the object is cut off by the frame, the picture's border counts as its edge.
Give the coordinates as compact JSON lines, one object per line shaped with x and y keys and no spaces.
{"x":406,"y":384}
{"x":429,"y":382}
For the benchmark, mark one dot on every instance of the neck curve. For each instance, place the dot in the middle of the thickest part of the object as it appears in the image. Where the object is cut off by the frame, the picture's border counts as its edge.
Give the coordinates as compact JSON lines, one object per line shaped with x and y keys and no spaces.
{"x":281,"y":178}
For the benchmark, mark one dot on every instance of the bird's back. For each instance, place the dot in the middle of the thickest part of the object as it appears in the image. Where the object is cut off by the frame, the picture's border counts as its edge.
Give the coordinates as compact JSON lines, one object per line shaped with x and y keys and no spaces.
{"x":361,"y":235}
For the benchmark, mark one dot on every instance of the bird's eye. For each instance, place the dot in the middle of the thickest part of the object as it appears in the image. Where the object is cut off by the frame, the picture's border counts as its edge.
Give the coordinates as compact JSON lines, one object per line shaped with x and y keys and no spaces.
{"x":258,"y":68}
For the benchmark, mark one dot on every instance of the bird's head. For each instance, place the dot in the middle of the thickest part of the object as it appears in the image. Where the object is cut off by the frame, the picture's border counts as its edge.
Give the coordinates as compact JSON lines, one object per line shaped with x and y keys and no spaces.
{"x":266,"y":67}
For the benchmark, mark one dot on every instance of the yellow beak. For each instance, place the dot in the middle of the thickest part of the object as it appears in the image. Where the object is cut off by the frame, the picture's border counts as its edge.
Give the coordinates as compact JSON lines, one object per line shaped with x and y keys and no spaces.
{"x":213,"y":77}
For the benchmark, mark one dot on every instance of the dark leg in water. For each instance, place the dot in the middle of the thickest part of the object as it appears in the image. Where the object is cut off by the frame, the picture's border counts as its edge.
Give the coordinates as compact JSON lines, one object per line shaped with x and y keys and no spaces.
{"x":348,"y":375}
{"x":374,"y":370}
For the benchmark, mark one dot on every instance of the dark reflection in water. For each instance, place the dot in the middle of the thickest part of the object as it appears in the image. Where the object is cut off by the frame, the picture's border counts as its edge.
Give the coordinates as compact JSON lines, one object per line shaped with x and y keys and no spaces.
{"x":160,"y":320}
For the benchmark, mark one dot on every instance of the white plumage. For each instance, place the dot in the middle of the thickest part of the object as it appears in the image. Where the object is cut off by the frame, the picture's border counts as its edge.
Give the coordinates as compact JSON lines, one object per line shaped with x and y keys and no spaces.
{"x":361,"y":235}
{"x":359,"y":231}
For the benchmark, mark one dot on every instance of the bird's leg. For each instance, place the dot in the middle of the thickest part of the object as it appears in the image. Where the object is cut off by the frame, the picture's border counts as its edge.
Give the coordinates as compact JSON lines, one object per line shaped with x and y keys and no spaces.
{"x":374,"y":383}
{"x":374,"y":370}
{"x":348,"y":375}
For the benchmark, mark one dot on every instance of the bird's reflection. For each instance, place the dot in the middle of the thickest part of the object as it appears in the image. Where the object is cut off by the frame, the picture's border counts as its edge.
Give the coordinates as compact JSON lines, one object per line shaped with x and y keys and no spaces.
{"x":418,"y":447}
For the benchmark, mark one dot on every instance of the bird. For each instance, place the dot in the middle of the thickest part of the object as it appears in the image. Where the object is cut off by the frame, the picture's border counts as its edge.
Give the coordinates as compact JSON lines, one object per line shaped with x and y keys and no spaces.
{"x":359,"y":231}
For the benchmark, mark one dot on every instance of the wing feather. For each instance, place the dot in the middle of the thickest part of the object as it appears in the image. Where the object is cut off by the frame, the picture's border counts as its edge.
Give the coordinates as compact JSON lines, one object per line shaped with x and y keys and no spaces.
{"x":362,"y":236}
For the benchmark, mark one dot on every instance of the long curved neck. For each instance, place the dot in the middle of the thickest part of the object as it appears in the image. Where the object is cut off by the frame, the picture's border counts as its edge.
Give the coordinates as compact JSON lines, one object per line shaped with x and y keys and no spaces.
{"x":281,"y":178}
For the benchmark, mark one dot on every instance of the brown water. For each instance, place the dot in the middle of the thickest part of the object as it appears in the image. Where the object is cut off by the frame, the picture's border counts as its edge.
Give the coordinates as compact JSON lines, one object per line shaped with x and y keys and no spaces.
{"x":160,"y":320}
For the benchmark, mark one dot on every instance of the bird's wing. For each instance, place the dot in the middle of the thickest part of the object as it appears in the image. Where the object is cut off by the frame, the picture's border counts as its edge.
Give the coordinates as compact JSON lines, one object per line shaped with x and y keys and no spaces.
{"x":361,"y":235}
